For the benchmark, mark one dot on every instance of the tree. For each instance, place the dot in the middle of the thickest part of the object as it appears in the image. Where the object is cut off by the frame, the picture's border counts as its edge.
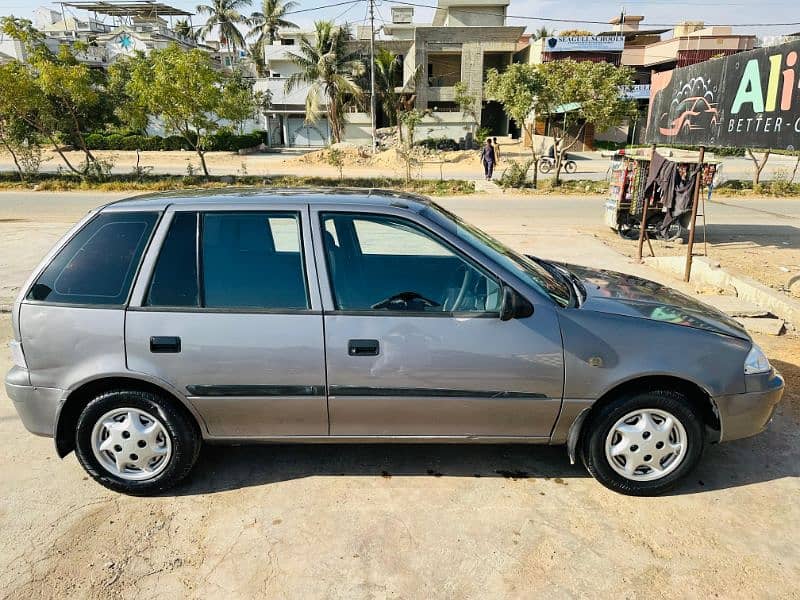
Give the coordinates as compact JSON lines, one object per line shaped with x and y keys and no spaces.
{"x":758,"y":166}
{"x":329,"y":67}
{"x":184,"y":28}
{"x":264,"y":24}
{"x":542,"y":33}
{"x":518,"y":89}
{"x":224,"y":15}
{"x":582,"y":93}
{"x":53,"y":92}
{"x":191,"y":97}
{"x":387,"y":78}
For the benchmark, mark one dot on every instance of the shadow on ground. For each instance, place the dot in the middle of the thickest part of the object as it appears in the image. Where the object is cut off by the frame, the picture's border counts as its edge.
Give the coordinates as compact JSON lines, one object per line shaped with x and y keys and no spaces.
{"x":774,"y":236}
{"x":770,"y":456}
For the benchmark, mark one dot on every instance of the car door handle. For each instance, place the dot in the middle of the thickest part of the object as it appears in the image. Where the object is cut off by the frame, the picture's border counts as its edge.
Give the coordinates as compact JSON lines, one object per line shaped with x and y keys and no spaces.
{"x":165,"y":343}
{"x":363,"y":347}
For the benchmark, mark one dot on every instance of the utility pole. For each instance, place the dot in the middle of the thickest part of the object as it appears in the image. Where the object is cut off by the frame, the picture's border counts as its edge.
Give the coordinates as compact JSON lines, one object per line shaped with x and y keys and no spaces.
{"x":372,"y":100}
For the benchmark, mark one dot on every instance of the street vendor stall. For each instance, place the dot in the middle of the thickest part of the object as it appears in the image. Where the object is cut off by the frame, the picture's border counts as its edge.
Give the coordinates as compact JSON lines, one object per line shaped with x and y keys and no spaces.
{"x":631,"y":187}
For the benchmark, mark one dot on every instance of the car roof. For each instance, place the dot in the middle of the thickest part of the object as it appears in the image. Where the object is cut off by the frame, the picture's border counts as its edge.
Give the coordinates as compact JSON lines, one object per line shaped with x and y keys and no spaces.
{"x":263,"y":197}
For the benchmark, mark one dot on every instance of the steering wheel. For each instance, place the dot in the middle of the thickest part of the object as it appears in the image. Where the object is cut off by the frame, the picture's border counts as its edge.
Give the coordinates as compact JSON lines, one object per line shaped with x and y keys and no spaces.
{"x":405,"y":298}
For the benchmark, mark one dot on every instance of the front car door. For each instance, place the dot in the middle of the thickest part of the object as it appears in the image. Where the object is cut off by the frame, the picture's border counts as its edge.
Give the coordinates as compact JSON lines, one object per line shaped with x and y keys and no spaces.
{"x":414,"y":343}
{"x":227,"y":312}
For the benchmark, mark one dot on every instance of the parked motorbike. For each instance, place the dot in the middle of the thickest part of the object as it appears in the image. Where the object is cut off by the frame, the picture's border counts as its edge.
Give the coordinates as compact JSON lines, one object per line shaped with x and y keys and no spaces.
{"x":547,"y":164}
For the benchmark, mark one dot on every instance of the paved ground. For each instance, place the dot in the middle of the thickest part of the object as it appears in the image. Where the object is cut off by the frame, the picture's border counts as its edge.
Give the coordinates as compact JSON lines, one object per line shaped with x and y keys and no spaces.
{"x":591,"y":165}
{"x":405,"y":521}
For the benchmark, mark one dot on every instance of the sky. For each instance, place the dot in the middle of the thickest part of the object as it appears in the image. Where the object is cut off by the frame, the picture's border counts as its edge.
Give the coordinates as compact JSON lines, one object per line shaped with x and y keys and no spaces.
{"x":656,"y":12}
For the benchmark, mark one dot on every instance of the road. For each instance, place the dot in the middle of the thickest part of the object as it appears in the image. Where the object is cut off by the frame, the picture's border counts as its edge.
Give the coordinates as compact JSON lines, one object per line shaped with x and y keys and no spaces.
{"x":591,"y":165}
{"x":418,"y":521}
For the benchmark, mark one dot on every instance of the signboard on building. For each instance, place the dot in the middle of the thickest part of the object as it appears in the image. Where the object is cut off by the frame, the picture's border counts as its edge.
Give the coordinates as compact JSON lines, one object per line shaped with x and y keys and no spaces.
{"x":747,"y":100}
{"x":640,"y":91}
{"x":584,"y":43}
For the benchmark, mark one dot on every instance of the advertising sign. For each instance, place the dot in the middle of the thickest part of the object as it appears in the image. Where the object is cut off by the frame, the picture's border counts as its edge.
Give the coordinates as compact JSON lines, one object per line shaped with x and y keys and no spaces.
{"x":585,"y":43}
{"x":747,"y":100}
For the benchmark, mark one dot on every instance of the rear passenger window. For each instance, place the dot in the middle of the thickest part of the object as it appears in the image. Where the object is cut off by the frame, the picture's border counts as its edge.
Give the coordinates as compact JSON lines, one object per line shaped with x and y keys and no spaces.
{"x":253,"y":260}
{"x":174,"y":281}
{"x":98,"y":264}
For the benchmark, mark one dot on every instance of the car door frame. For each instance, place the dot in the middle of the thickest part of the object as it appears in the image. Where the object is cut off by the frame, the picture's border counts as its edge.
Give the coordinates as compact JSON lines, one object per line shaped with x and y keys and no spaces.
{"x":144,"y":278}
{"x":541,"y":302}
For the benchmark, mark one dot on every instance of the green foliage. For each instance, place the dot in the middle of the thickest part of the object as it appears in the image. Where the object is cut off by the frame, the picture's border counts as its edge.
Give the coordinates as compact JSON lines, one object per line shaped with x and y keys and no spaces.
{"x":466,"y":101}
{"x":482,"y":134}
{"x":516,"y":174}
{"x":442,"y":143}
{"x":264,"y":25}
{"x":189,"y":95}
{"x":224,"y":16}
{"x":335,"y":158}
{"x":148,"y":182}
{"x":222,"y":141}
{"x":330,"y":66}
{"x":387,"y":78}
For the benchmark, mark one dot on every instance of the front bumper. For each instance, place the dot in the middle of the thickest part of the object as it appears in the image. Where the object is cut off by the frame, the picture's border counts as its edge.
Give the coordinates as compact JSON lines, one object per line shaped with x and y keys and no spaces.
{"x":36,"y":406}
{"x":747,"y":414}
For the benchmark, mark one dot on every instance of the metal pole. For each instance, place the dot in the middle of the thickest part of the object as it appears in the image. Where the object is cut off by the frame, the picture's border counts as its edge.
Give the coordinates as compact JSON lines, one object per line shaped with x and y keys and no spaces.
{"x":372,"y":99}
{"x":695,"y":201}
{"x":643,"y":226}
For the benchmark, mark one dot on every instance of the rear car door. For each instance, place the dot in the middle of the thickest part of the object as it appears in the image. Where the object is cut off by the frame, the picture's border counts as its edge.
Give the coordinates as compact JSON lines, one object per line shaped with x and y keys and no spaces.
{"x":227,"y":312}
{"x":414,"y":343}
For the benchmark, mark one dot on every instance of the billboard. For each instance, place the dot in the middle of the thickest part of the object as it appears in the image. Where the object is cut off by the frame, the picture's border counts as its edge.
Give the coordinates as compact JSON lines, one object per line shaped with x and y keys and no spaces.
{"x":747,"y":100}
{"x":584,"y":43}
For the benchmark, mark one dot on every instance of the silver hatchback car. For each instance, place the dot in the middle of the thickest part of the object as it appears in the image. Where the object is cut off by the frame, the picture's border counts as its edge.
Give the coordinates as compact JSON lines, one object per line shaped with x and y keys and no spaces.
{"x":163,"y":321}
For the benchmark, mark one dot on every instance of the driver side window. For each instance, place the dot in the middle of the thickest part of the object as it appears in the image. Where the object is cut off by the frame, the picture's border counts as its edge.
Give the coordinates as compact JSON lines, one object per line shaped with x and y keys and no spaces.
{"x":385,"y":263}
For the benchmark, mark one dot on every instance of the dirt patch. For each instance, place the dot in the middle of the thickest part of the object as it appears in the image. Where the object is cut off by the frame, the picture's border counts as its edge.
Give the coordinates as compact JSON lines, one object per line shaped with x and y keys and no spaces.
{"x":771,"y":257}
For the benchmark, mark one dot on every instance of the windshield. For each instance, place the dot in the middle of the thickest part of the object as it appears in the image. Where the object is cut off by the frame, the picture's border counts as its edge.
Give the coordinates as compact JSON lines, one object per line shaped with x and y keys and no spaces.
{"x":558,"y":288}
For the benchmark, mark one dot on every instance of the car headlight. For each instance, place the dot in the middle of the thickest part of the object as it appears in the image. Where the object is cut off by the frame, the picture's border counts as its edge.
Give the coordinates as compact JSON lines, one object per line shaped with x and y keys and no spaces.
{"x":756,"y":361}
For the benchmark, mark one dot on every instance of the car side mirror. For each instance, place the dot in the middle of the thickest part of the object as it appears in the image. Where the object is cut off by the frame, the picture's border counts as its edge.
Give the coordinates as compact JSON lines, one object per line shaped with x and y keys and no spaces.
{"x":514,"y":306}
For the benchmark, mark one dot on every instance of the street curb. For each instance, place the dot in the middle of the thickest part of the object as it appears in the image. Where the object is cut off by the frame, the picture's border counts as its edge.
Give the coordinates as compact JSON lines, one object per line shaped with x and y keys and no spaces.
{"x":708,"y":272}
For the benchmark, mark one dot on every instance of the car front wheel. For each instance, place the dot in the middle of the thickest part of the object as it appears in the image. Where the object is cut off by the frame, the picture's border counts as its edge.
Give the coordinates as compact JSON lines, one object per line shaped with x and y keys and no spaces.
{"x":135,"y":442}
{"x":643,"y":444}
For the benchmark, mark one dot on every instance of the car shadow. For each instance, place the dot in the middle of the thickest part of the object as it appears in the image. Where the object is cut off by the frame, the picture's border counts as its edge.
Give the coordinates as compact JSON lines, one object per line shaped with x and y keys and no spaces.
{"x":769,"y":456}
{"x":224,"y":468}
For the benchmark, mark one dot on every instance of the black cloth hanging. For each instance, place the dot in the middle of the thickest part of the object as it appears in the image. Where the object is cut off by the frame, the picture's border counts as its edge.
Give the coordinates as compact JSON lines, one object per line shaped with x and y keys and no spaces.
{"x":676,"y":191}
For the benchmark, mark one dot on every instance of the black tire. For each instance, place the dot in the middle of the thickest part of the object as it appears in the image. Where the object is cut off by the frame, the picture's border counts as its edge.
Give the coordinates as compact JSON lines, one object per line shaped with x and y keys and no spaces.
{"x":545,"y":166}
{"x":181,"y":428}
{"x":598,"y":426}
{"x":570,"y":166}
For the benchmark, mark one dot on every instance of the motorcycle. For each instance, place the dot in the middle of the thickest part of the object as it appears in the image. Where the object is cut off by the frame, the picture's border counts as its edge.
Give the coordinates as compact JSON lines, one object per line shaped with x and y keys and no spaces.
{"x":547,"y":164}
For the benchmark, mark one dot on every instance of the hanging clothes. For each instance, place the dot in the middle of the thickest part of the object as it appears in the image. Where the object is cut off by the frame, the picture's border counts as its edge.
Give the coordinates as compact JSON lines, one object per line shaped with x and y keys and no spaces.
{"x":675,"y":187}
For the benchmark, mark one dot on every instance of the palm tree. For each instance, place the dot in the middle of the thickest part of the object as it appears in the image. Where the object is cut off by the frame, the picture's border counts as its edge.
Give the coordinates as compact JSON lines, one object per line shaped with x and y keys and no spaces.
{"x":542,"y":33}
{"x":225,"y":16}
{"x":184,"y":29}
{"x":265,"y":23}
{"x":330,"y":68}
{"x":387,"y":71}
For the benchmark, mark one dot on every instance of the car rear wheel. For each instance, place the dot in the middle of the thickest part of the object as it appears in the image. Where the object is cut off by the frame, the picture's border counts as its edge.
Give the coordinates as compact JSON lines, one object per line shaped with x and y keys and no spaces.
{"x":135,"y":442}
{"x":643,"y":444}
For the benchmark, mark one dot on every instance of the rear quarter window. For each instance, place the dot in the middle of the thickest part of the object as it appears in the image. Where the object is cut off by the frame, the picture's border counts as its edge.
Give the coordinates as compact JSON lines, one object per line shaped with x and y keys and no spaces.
{"x":98,"y":264}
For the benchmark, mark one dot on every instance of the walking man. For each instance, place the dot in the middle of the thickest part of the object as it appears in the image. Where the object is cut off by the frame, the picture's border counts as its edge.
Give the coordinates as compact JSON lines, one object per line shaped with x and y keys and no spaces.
{"x":488,"y":158}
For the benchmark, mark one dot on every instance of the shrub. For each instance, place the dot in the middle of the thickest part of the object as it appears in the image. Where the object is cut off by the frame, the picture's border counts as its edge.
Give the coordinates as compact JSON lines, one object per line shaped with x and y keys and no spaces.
{"x":439,"y":144}
{"x":516,"y":174}
{"x":96,"y":141}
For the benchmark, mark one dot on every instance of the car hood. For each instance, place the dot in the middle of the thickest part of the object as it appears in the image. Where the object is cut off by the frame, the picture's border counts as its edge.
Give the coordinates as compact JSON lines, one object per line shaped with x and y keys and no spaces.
{"x":621,"y":294}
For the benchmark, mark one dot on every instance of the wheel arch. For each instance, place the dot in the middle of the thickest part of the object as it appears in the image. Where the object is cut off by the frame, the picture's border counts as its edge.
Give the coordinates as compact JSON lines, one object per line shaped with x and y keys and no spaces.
{"x":77,"y":398}
{"x":699,"y":396}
